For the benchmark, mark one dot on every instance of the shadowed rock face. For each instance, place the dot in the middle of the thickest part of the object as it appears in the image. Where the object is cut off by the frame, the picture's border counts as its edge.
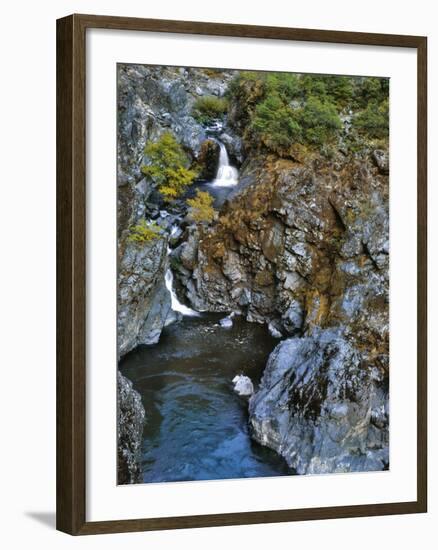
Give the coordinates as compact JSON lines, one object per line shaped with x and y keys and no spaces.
{"x":321,"y":407}
{"x":130,"y":421}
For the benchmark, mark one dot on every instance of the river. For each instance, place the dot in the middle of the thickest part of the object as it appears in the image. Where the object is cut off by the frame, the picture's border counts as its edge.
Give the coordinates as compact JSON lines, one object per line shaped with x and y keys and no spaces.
{"x":197,"y":426}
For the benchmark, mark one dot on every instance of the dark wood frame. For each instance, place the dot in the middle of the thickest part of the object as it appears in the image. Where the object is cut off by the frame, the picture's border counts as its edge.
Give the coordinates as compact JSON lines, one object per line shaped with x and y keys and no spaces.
{"x":71,"y":231}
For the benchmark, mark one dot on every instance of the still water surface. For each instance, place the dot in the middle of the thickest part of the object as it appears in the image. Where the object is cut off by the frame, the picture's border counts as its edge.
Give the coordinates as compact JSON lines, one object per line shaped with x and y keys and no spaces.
{"x":197,"y":427}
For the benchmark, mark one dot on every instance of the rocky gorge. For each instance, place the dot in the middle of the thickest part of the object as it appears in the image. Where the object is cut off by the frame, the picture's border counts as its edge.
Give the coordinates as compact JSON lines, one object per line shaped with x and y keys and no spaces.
{"x":300,"y":244}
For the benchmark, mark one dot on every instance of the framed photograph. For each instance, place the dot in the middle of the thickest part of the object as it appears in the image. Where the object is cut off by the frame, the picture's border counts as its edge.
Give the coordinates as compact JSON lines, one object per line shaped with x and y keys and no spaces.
{"x":241,"y":287}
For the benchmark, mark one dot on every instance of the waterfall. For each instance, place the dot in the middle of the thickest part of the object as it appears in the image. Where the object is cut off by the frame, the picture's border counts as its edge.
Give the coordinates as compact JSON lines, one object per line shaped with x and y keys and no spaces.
{"x":168,"y":279}
{"x":227,"y":175}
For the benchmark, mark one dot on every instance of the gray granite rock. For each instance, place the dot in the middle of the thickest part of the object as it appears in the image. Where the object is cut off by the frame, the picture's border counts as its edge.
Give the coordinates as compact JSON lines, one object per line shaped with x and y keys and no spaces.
{"x":130,"y":422}
{"x":321,"y":407}
{"x":144,"y":303}
{"x":243,"y":385}
{"x":381,"y":159}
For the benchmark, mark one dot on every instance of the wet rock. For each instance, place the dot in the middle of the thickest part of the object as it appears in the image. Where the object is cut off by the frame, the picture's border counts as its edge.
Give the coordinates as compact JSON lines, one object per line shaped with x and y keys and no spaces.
{"x":143,"y":300}
{"x":243,"y":385}
{"x":130,"y":422}
{"x":226,"y":322}
{"x":320,"y":406}
{"x":381,"y":160}
{"x":208,"y":159}
{"x":274,"y":331}
{"x":234,"y":147}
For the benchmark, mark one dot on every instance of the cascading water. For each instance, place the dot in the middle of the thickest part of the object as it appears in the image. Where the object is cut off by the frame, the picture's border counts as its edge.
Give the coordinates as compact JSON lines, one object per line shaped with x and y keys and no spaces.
{"x":227,"y":175}
{"x":168,"y":279}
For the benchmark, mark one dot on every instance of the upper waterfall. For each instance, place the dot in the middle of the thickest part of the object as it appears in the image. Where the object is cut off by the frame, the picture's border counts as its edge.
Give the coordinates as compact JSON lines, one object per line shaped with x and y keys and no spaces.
{"x":226,"y":175}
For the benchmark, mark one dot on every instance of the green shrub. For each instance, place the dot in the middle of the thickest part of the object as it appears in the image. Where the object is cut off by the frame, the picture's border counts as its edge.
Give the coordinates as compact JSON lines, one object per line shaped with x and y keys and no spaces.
{"x":371,"y":90}
{"x":280,"y":125}
{"x":286,"y":85}
{"x":201,"y":207}
{"x":208,"y":108}
{"x":373,"y":121}
{"x":320,"y":121}
{"x":144,"y":232}
{"x":167,"y":166}
{"x":276,"y":123}
{"x":284,"y":109}
{"x":340,"y":89}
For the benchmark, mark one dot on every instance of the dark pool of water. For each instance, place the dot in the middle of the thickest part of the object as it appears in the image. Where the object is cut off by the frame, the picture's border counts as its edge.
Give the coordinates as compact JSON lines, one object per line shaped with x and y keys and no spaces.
{"x":197,"y":427}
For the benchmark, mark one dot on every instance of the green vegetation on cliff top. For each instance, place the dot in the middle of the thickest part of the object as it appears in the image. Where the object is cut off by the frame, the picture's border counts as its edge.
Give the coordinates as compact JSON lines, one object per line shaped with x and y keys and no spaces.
{"x":284,"y":109}
{"x":209,"y":107}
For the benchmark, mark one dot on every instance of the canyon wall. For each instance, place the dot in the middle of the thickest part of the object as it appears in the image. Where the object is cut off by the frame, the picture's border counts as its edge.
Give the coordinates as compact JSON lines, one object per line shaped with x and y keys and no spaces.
{"x":304,"y":248}
{"x":301,"y":245}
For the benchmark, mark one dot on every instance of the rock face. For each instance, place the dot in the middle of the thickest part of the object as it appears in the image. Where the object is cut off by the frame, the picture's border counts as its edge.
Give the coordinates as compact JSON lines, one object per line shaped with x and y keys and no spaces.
{"x":208,"y":159}
{"x":144,"y":302}
{"x":130,"y":422}
{"x":321,"y":407}
{"x":304,"y":248}
{"x":298,"y":246}
{"x":152,"y":100}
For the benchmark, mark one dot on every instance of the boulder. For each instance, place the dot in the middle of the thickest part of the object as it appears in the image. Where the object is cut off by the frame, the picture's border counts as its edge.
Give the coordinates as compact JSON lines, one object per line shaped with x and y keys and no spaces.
{"x":381,"y":160}
{"x":243,"y":385}
{"x":274,"y":331}
{"x":226,"y":322}
{"x":321,"y":407}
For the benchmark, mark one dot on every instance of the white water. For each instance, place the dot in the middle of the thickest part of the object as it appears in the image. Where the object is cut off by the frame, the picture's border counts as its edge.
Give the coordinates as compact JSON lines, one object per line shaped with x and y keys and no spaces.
{"x":227,"y":175}
{"x":168,"y":279}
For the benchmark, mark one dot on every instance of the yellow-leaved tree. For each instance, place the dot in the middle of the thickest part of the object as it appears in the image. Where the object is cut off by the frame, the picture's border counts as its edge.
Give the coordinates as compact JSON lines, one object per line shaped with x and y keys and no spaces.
{"x":167,"y":164}
{"x":144,"y":232}
{"x":201,"y":207}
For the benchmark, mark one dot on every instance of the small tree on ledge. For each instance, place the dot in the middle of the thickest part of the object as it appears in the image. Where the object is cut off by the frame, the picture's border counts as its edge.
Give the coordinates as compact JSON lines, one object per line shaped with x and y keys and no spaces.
{"x":201,"y":207}
{"x":167,"y":166}
{"x":144,"y":232}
